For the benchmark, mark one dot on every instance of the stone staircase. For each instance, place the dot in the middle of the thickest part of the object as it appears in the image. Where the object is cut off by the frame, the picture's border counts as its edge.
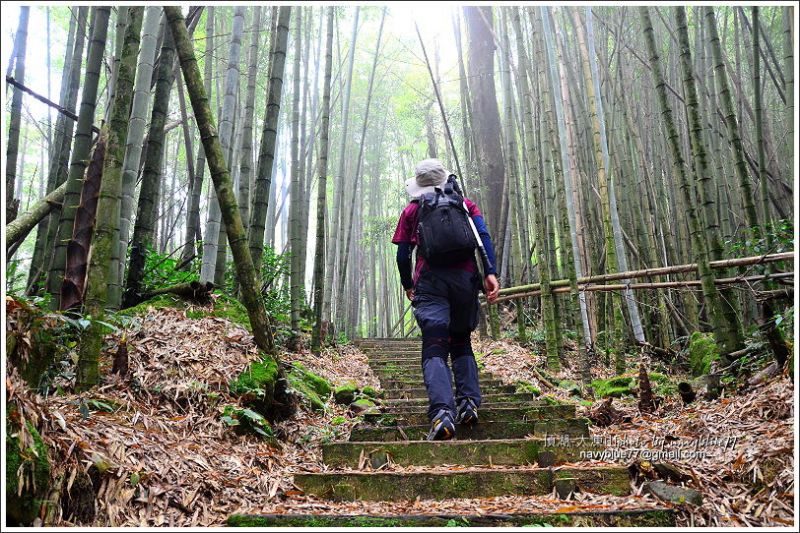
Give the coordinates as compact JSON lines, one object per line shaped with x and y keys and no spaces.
{"x":521,"y":447}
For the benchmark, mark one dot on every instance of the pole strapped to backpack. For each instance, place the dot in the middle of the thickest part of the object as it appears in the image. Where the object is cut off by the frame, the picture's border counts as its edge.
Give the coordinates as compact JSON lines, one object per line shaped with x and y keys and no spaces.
{"x":452,"y":179}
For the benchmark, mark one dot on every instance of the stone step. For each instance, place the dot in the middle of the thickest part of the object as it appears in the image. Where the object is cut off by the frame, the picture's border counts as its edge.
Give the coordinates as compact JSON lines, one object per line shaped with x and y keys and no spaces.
{"x":417,"y":417}
{"x":415,"y":376}
{"x":465,"y":483}
{"x":657,"y":517}
{"x":376,"y":355}
{"x":380,"y":351}
{"x":575,"y":427}
{"x":410,"y":372}
{"x":423,"y":407}
{"x":387,"y":340}
{"x":509,"y":452}
{"x":395,"y":384}
{"x":411,"y":360}
{"x":399,"y":373}
{"x":389,"y":348}
{"x":504,"y":397}
{"x":422,"y":392}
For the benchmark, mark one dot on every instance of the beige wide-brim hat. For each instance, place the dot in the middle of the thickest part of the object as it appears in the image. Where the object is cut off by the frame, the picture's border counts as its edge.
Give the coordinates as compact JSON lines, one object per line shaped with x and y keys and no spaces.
{"x":429,"y":174}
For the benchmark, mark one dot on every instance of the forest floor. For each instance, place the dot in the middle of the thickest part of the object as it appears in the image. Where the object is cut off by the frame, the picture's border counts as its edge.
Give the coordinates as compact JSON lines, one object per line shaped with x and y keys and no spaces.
{"x":167,"y":458}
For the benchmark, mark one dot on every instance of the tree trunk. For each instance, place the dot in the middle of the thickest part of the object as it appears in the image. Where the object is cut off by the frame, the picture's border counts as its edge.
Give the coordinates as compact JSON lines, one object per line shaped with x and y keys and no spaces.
{"x":534,"y":143}
{"x":349,"y":222}
{"x":246,"y":165}
{"x":788,"y":69}
{"x":245,"y":271}
{"x":731,"y":123}
{"x":266,"y":155}
{"x":701,"y":168}
{"x":147,"y":208}
{"x":80,"y":151}
{"x":726,"y":330}
{"x":335,"y":240}
{"x":758,"y":104}
{"x":318,"y":334}
{"x":12,"y":149}
{"x":106,"y":239}
{"x":59,"y":148}
{"x":296,"y":240}
{"x":18,"y":229}
{"x":577,"y":301}
{"x":193,"y":232}
{"x":213,"y":232}
{"x":72,"y":287}
{"x":603,"y":170}
{"x":486,"y":116}
{"x":135,"y":141}
{"x":111,"y":82}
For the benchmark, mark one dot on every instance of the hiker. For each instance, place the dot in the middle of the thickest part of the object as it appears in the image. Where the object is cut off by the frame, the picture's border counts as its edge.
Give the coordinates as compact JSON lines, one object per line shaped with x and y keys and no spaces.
{"x":444,"y":290}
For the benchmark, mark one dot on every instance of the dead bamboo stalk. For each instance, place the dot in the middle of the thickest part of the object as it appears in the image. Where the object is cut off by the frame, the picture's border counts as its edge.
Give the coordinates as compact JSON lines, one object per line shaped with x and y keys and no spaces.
{"x":649,"y":272}
{"x":66,"y":112}
{"x":647,"y":286}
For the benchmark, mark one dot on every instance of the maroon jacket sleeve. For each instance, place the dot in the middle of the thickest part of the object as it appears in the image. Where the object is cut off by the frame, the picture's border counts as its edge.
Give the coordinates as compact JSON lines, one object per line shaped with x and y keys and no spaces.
{"x":406,"y":230}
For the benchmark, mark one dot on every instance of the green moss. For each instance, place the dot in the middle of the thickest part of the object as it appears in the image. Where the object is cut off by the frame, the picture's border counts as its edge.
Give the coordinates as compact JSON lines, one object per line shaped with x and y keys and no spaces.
{"x":257,"y":380}
{"x":550,"y":400}
{"x":239,"y":520}
{"x":524,"y":386}
{"x":338,"y":420}
{"x":573,"y":388}
{"x":47,"y":339}
{"x":663,"y":385}
{"x":386,"y":420}
{"x":345,"y":394}
{"x":33,"y":464}
{"x":554,"y":520}
{"x":391,"y":369}
{"x":312,"y":521}
{"x":479,"y":360}
{"x":615,"y":387}
{"x":231,"y":309}
{"x":702,"y":352}
{"x":196,"y":314}
{"x":371,"y":392}
{"x":650,"y":517}
{"x":318,"y":383}
{"x":224,"y":307}
{"x":296,"y":379}
{"x":162,"y":301}
{"x":363,"y":406}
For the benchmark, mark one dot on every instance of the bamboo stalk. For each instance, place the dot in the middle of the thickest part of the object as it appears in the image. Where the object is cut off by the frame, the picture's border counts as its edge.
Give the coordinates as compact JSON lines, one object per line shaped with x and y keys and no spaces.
{"x":19,"y":228}
{"x":66,"y":112}
{"x":647,"y":286}
{"x":659,"y":271}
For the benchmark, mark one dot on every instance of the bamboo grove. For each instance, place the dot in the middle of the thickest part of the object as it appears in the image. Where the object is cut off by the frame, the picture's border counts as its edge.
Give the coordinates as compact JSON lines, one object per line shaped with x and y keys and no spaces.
{"x":263,"y":149}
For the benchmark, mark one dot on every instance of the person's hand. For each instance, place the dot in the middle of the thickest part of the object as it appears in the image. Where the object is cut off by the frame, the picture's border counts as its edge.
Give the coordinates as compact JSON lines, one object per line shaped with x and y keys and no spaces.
{"x":492,"y":287}
{"x":410,"y":294}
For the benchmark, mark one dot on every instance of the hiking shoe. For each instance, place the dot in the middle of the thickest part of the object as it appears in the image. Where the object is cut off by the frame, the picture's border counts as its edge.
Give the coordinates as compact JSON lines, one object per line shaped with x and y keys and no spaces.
{"x":442,"y":427}
{"x":467,"y":413}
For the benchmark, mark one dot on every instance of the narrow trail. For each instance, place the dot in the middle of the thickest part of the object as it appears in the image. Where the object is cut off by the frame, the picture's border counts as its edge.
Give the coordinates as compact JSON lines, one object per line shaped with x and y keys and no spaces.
{"x":523,"y":448}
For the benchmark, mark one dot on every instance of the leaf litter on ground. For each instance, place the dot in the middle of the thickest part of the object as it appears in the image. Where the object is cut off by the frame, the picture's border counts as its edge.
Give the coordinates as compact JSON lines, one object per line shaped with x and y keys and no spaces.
{"x":168,"y":459}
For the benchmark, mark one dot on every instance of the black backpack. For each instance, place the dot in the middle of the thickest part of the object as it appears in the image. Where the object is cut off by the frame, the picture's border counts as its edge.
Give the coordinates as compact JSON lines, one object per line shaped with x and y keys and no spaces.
{"x":444,"y":234}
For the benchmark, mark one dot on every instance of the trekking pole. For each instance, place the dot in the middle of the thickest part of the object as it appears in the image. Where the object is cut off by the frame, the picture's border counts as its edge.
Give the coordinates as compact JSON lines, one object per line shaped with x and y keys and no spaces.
{"x":452,"y":178}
